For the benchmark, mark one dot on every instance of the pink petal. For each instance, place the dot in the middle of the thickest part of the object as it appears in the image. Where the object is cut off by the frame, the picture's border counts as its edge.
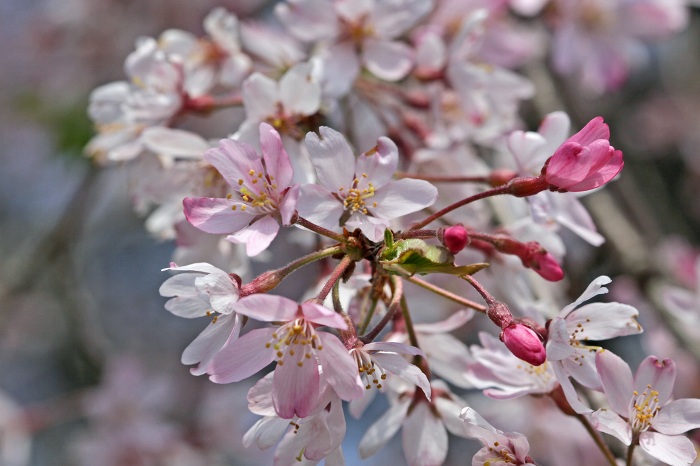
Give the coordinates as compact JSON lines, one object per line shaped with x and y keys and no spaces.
{"x":309,"y":20}
{"x":319,"y":206}
{"x":260,"y":397}
{"x":243,"y":358}
{"x":288,"y":205}
{"x":295,"y":386}
{"x":332,"y":158}
{"x":212,"y":215}
{"x":233,"y":159}
{"x":603,"y":174}
{"x":675,"y":450}
{"x":268,"y":308}
{"x":424,"y":437}
{"x":389,"y":23}
{"x":616,"y":377}
{"x":453,"y":322}
{"x":607,"y":421}
{"x":393,"y":347}
{"x":569,"y":390}
{"x":332,"y":433}
{"x":660,"y":375}
{"x":678,"y":416}
{"x":258,"y":236}
{"x":569,"y":165}
{"x":277,"y":163}
{"x":323,"y":316}
{"x":594,"y":130}
{"x":339,"y":368}
{"x":388,"y":60}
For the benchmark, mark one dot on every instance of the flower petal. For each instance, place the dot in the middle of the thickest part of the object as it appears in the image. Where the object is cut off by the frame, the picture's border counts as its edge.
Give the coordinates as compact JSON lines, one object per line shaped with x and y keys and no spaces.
{"x":319,"y":206}
{"x":424,"y":437}
{"x":594,"y":289}
{"x":339,"y":368}
{"x":660,"y":375}
{"x":300,"y":94}
{"x":602,"y":321}
{"x":403,"y":369}
{"x":260,"y":97}
{"x":268,"y":307}
{"x":388,"y":60}
{"x":277,"y":164}
{"x":213,"y":215}
{"x":243,"y":358}
{"x":378,"y":164}
{"x":678,"y":416}
{"x":607,"y":421}
{"x":616,"y":377}
{"x":323,"y":316}
{"x":381,"y":431}
{"x":258,"y":236}
{"x":400,"y":197}
{"x":332,"y":158}
{"x":675,"y":450}
{"x":210,"y":341}
{"x":296,"y":386}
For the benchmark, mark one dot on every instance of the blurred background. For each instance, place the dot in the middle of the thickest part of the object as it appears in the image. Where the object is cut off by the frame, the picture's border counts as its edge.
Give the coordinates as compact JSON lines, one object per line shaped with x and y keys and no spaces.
{"x":83,"y":331}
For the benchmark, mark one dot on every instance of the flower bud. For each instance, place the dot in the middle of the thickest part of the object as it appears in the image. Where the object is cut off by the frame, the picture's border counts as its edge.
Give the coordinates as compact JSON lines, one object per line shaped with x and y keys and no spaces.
{"x":524,"y":343}
{"x":455,"y":238}
{"x":547,"y":266}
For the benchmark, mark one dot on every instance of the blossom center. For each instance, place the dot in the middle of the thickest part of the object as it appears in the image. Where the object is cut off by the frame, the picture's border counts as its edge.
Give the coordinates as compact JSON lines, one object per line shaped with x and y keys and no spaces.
{"x":355,"y":198}
{"x":257,"y":190}
{"x":503,"y":453}
{"x":295,"y":341}
{"x":644,"y":407}
{"x":370,"y":372}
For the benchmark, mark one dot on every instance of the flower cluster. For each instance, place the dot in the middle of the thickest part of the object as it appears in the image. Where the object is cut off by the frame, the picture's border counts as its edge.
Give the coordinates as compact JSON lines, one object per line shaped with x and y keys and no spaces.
{"x":357,"y":141}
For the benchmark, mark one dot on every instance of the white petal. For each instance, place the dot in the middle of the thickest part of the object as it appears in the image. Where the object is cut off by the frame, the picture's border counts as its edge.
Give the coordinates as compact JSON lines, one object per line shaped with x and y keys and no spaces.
{"x":174,"y":142}
{"x":339,"y":368}
{"x":319,"y":206}
{"x":607,"y":421}
{"x":299,"y":93}
{"x":387,"y":60}
{"x":381,"y":431}
{"x":209,"y":342}
{"x":332,"y":158}
{"x":602,"y":321}
{"x":258,"y":236}
{"x":675,"y":450}
{"x":616,"y":377}
{"x":398,"y":366}
{"x":424,"y":437}
{"x":594,"y":289}
{"x":400,"y":197}
{"x":678,"y":416}
{"x":260,"y":97}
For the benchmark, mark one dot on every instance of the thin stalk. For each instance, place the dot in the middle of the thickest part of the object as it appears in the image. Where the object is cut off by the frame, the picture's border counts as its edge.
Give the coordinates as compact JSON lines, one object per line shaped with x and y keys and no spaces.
{"x":446,"y":294}
{"x":504,"y":189}
{"x":598,"y":440}
{"x":409,"y":323}
{"x":393,"y":306}
{"x":630,"y":451}
{"x":335,"y":276}
{"x":369,"y":315}
{"x":422,"y":234}
{"x":319,"y":229}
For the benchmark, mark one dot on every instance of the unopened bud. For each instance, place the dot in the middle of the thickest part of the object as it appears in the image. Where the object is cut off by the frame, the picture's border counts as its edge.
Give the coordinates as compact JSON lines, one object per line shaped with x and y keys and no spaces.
{"x":455,"y":238}
{"x":547,"y":266}
{"x":524,"y":343}
{"x":499,"y":314}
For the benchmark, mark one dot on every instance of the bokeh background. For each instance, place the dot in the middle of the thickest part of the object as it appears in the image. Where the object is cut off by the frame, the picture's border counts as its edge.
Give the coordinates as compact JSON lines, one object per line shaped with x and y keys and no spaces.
{"x":82,"y":327}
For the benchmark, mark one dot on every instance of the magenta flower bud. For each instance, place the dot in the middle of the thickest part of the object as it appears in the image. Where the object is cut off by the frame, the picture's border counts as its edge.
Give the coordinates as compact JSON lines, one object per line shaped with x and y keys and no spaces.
{"x":455,"y":238}
{"x":524,"y":343}
{"x":547,"y":266}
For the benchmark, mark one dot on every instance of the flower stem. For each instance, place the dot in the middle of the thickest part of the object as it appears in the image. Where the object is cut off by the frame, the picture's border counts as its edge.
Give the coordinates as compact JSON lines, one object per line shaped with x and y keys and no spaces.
{"x":422,"y":234}
{"x":630,"y":451}
{"x":393,"y":305}
{"x":369,"y":315}
{"x":446,"y":294}
{"x":409,"y":323}
{"x":335,"y":277}
{"x":598,"y":440}
{"x":468,"y":200}
{"x":319,"y":229}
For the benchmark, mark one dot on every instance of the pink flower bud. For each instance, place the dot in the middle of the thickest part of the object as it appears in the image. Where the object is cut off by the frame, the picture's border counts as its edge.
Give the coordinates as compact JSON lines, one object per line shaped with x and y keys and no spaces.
{"x":455,"y":238}
{"x":524,"y":343}
{"x":547,"y":266}
{"x":585,"y":161}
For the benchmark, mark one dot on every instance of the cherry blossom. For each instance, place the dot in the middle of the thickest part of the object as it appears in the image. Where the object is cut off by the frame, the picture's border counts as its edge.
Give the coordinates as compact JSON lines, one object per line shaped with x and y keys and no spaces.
{"x":358,"y":192}
{"x":500,"y":449}
{"x":307,"y":359}
{"x":204,"y":290}
{"x":574,"y":325}
{"x":262,"y":196}
{"x":642,"y":411}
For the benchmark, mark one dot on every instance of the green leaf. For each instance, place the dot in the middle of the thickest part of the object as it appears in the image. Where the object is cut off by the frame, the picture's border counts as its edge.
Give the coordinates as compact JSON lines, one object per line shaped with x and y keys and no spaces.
{"x":414,"y":256}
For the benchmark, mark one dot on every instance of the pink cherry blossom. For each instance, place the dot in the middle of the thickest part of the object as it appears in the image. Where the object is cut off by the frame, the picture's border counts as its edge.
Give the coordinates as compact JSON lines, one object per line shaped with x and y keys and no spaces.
{"x":307,"y":359}
{"x":570,"y":330}
{"x":358,"y":192}
{"x":642,"y":411}
{"x":585,"y":161}
{"x":204,"y":290}
{"x":262,"y":197}
{"x":500,"y":449}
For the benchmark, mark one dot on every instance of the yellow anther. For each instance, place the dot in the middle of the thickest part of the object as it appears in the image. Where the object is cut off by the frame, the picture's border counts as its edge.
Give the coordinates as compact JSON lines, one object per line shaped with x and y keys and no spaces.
{"x":251,"y":172}
{"x":229,"y":196}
